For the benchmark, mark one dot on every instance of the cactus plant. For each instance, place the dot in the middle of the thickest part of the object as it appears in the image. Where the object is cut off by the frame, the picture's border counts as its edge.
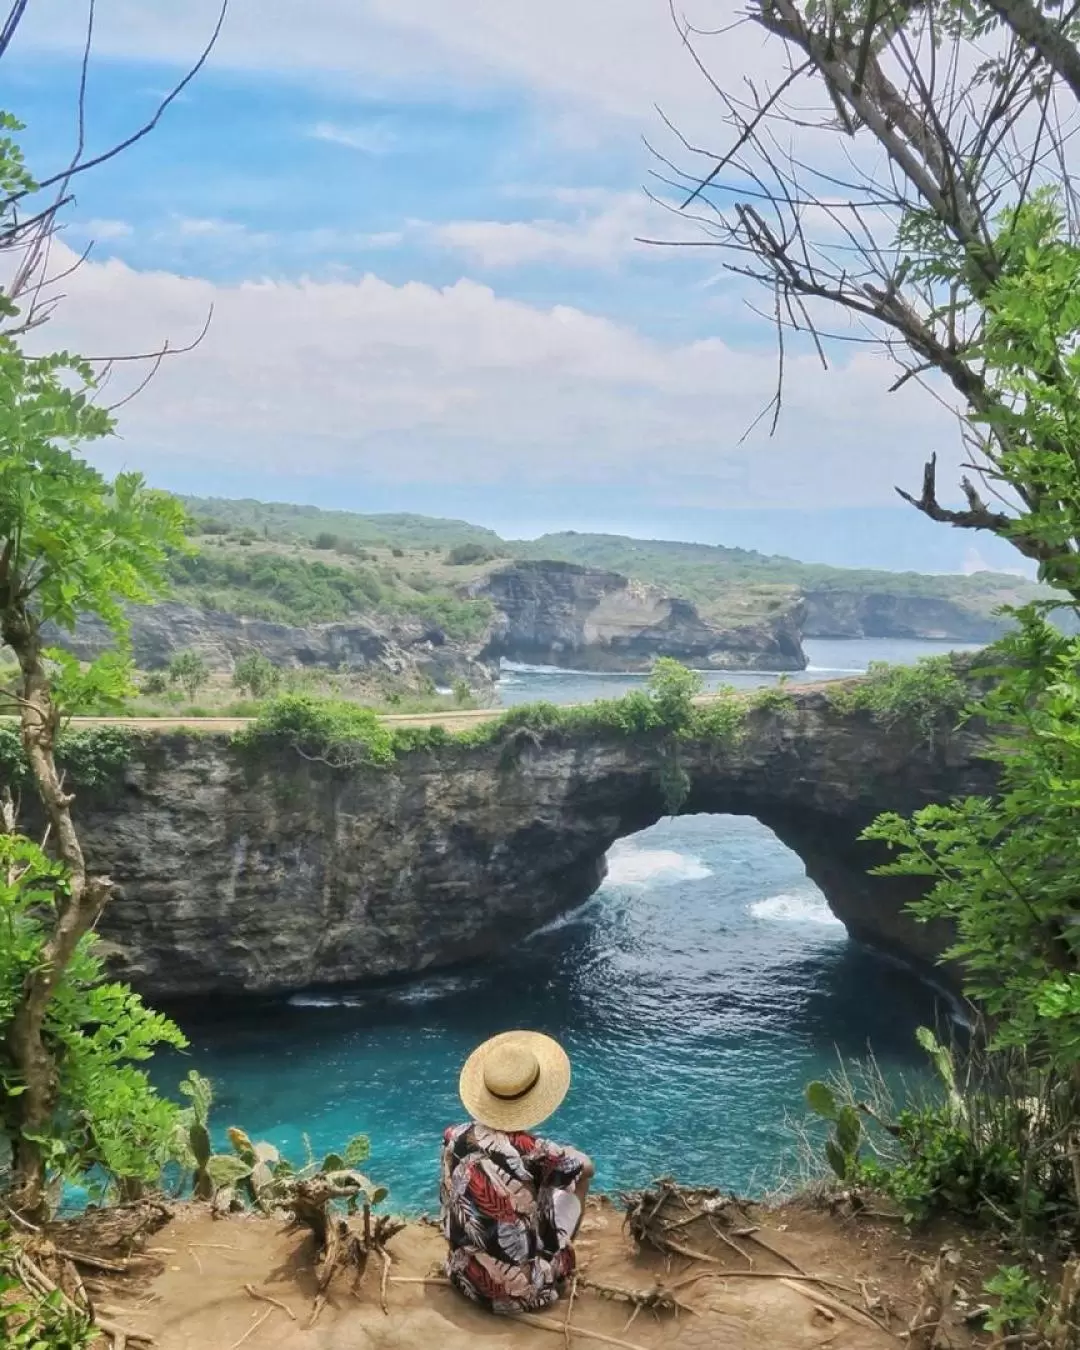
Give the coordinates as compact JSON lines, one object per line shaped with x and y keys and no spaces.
{"x":211,"y":1172}
{"x":842,"y":1147}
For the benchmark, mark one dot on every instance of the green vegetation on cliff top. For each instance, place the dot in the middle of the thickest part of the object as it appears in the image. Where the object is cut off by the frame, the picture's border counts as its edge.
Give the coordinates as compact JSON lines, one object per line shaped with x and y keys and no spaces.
{"x":333,"y":563}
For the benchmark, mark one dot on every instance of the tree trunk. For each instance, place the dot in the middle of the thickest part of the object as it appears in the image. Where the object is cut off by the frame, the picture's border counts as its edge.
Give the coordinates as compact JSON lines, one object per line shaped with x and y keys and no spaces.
{"x":76,"y":912}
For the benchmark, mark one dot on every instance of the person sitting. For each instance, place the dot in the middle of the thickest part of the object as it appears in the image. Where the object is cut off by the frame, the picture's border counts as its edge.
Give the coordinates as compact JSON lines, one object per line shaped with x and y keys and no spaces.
{"x":512,"y":1202}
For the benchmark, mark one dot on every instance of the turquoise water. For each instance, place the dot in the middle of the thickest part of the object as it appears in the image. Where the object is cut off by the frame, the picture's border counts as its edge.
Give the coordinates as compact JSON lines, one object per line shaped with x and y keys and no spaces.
{"x":697,"y":992}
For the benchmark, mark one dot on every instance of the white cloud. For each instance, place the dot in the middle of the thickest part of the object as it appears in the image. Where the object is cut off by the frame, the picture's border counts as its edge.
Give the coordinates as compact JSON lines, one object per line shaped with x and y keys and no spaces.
{"x":412,"y":383}
{"x":203,"y":226}
{"x":100,"y":229}
{"x":371,"y":138}
{"x":617,"y":57}
{"x":599,"y":237}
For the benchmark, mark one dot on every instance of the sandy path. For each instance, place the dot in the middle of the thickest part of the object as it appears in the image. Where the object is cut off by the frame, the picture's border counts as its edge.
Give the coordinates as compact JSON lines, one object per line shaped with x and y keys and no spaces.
{"x":199,"y":1302}
{"x":450,"y":721}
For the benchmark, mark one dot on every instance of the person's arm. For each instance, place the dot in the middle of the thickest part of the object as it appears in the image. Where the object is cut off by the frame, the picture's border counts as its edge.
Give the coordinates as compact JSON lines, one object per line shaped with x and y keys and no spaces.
{"x":559,"y":1165}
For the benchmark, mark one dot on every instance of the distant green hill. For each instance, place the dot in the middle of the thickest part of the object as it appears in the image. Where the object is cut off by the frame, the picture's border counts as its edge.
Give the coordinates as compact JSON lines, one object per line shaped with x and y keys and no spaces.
{"x":704,"y":572}
{"x":301,"y":564}
{"x":283,"y":521}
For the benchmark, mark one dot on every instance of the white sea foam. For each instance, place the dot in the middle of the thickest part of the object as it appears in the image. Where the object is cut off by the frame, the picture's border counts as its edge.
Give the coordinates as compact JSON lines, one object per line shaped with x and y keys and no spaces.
{"x":794,"y":907}
{"x":311,"y":1001}
{"x":835,"y":670}
{"x":629,"y":865}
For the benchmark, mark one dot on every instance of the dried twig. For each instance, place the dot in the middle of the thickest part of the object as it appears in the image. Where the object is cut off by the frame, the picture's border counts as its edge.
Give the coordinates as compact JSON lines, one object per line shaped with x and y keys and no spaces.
{"x":121,"y":1334}
{"x":834,"y":1304}
{"x":827,"y":1280}
{"x":569,"y":1310}
{"x":268,"y":1298}
{"x":252,"y":1329}
{"x":94,"y":1262}
{"x":546,"y":1324}
{"x":385,"y":1276}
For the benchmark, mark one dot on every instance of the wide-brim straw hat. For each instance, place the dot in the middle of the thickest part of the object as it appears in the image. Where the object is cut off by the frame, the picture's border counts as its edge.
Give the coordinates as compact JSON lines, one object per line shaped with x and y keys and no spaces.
{"x":515,"y":1080}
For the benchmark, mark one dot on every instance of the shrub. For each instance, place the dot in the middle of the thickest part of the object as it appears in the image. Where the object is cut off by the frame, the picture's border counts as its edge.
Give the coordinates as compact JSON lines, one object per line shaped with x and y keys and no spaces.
{"x":32,"y":1321}
{"x":91,"y":757}
{"x":929,"y":695}
{"x":256,"y":674}
{"x":673,"y":688}
{"x":108,"y":1128}
{"x":325,"y":540}
{"x":339,"y":733}
{"x":463,"y":554}
{"x":190,"y":671}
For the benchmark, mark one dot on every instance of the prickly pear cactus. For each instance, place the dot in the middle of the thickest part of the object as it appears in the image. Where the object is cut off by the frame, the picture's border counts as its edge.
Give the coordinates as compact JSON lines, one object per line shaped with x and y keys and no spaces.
{"x":842,"y":1147}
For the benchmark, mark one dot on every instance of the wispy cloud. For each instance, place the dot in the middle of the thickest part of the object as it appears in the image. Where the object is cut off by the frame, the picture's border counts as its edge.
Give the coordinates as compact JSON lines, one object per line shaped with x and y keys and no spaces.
{"x":370,"y":138}
{"x":101,"y":229}
{"x":416,"y":383}
{"x":603,"y":233}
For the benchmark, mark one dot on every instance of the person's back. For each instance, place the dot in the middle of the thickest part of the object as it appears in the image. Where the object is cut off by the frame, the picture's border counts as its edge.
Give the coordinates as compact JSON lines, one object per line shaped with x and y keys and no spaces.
{"x":511,"y":1201}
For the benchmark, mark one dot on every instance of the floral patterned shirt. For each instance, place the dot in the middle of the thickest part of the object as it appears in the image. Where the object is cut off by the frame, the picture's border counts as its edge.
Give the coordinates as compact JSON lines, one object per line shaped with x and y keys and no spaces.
{"x":508,"y":1214}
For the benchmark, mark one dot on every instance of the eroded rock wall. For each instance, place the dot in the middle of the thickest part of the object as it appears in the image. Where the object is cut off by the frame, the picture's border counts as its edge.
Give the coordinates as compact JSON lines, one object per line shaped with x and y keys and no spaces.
{"x":563,"y":614}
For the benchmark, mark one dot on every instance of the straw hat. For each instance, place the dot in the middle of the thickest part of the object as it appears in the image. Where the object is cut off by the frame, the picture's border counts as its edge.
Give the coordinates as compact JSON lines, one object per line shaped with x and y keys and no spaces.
{"x":515,"y":1080}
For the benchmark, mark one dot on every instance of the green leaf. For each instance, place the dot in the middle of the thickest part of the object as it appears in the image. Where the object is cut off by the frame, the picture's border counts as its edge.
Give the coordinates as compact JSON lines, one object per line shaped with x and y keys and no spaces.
{"x":848,"y":1130}
{"x":333,"y":1162}
{"x":821,"y":1100}
{"x":357,"y":1150}
{"x":199,"y":1140}
{"x":837,"y":1159}
{"x":224,"y":1169}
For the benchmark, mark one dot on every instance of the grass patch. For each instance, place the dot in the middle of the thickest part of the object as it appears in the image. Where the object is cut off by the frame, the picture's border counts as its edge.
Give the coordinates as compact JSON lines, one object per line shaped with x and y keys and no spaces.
{"x":929,"y":696}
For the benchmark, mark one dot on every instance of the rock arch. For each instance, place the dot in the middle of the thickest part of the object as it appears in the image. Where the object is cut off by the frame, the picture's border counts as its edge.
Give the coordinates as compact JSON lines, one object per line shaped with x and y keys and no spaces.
{"x":237,"y":877}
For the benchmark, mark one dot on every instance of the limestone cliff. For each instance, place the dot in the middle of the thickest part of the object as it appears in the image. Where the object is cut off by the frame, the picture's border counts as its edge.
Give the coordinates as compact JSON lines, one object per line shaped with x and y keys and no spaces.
{"x":259,"y":871}
{"x":883,"y":614}
{"x":563,"y":614}
{"x":401,"y":647}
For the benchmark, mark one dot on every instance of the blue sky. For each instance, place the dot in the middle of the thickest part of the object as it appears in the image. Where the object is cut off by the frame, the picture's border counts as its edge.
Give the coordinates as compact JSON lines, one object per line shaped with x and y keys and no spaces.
{"x":415,"y":223}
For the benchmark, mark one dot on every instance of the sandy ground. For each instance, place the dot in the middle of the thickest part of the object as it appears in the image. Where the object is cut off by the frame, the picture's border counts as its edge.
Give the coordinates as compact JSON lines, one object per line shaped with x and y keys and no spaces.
{"x":199,"y":1301}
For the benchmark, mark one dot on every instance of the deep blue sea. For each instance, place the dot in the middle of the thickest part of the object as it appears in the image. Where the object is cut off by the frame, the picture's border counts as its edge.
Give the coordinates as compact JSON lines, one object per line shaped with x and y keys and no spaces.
{"x":697,"y":992}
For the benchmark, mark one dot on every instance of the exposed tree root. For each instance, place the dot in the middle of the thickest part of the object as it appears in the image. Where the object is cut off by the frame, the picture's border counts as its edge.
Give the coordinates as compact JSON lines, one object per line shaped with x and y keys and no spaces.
{"x":338,"y":1245}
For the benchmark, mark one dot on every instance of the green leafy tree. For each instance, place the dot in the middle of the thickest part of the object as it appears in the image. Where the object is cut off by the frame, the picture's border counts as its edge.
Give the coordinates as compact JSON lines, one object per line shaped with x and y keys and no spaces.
{"x":951,"y":240}
{"x":256,"y":674}
{"x":189,"y":671}
{"x":105,"y":1116}
{"x":71,"y":543}
{"x":673,"y":688}
{"x":1005,"y":870}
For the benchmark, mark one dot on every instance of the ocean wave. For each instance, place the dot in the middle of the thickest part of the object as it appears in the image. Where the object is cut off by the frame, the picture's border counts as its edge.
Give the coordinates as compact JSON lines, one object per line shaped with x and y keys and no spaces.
{"x":439,"y":986}
{"x":794,"y":907}
{"x":835,"y":670}
{"x":420,"y":991}
{"x":632,"y":866}
{"x":524,"y":668}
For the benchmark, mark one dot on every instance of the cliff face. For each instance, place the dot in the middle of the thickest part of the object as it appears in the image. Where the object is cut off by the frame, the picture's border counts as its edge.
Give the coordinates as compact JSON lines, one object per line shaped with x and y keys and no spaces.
{"x":563,"y":614}
{"x":399,"y":647}
{"x":243,"y":872}
{"x":875,"y":614}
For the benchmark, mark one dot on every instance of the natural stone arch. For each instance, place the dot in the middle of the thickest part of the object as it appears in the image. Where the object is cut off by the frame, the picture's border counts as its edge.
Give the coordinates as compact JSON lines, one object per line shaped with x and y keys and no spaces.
{"x":239,"y":874}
